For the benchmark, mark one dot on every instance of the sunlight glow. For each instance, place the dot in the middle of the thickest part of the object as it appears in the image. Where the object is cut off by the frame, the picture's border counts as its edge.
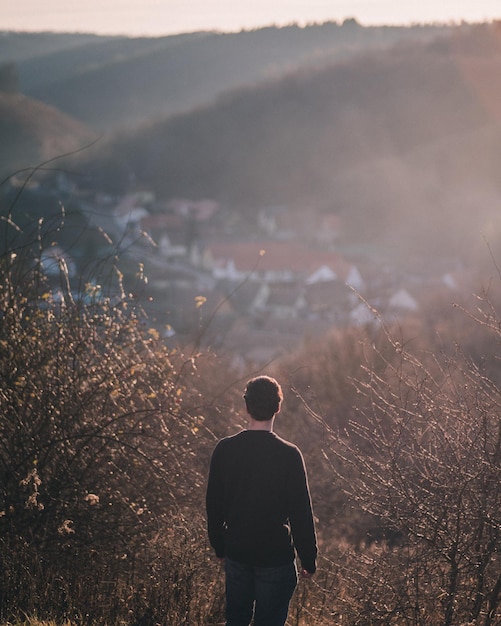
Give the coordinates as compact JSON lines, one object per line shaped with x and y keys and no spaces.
{"x":157,"y":17}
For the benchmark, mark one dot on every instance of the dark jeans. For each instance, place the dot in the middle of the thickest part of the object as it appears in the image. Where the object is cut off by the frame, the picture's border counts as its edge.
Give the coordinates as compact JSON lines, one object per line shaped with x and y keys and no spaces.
{"x":264,"y":591}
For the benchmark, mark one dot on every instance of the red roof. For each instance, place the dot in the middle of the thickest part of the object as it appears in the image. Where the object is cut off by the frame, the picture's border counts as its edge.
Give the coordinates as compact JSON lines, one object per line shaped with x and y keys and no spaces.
{"x":164,"y":221}
{"x":273,"y":256}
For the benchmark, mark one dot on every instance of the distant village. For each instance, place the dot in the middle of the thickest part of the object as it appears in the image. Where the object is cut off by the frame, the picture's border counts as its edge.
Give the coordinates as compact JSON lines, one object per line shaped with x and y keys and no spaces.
{"x":253,"y":287}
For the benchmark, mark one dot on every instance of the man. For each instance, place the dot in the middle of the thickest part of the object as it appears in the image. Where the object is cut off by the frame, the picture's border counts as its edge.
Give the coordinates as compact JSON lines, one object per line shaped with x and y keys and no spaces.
{"x":259,"y":513}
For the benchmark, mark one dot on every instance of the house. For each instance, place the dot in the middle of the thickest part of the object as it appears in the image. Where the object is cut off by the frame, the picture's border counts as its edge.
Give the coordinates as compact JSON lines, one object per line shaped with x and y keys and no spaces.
{"x":400,"y":304}
{"x":132,"y":208}
{"x":321,"y":275}
{"x":390,"y":310}
{"x":169,"y":233}
{"x":270,"y":261}
{"x":402,"y":300}
{"x":200,"y":210}
{"x":338,"y":270}
{"x":354,"y":279}
{"x":329,"y":300}
{"x":247,"y":297}
{"x":273,"y":221}
{"x":285,"y":300}
{"x":363,"y":314}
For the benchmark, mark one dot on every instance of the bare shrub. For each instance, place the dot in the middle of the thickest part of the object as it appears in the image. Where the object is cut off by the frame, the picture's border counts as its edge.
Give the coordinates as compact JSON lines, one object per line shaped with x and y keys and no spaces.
{"x":424,"y":457}
{"x":101,"y":465}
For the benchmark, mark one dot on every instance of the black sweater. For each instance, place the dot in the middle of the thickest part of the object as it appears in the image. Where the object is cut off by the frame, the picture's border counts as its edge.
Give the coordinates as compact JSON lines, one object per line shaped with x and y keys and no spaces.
{"x":258,"y":501}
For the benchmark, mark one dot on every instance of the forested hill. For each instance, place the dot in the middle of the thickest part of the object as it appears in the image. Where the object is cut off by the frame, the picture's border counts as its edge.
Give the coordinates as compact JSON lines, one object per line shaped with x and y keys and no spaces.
{"x":403,"y":139}
{"x":408,"y":132}
{"x":32,"y":132}
{"x":25,"y":46}
{"x":120,"y":82}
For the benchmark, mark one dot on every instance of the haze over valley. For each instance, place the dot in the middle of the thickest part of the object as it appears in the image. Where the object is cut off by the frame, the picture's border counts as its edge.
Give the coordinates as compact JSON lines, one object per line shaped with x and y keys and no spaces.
{"x":376,"y":148}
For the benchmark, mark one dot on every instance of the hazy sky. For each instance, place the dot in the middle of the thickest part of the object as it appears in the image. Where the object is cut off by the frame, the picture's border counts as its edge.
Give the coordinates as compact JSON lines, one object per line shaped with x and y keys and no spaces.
{"x":156,"y":17}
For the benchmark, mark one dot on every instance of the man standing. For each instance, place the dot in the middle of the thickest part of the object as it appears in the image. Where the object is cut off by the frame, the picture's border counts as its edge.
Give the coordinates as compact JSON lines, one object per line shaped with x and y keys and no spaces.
{"x":259,"y":513}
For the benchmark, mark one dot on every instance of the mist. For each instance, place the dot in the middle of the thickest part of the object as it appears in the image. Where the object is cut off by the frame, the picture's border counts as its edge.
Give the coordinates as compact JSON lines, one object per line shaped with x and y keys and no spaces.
{"x":392,"y":131}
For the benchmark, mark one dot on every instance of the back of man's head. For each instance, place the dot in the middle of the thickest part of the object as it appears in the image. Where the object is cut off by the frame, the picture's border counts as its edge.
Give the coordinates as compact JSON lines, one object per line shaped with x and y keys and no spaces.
{"x":263,"y":396}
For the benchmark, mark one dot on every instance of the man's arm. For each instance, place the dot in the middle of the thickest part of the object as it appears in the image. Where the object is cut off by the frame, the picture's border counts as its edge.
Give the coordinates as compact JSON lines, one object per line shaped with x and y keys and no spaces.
{"x":301,"y":517}
{"x":214,"y":504}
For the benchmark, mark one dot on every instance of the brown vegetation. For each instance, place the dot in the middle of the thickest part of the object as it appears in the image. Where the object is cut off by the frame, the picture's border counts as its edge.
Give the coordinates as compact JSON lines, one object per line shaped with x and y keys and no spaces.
{"x":106,"y":429}
{"x":106,"y":435}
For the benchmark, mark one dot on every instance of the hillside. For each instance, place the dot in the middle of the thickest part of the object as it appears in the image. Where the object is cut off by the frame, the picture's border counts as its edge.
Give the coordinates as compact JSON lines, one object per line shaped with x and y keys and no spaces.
{"x":390,"y":140}
{"x":122,"y":82}
{"x":23,"y":46}
{"x":33,"y":132}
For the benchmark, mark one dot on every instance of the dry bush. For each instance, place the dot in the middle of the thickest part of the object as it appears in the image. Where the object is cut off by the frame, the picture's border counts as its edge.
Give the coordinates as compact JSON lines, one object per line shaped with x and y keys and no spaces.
{"x":102,"y":467}
{"x":406,"y":478}
{"x":424,"y":458}
{"x":106,"y":434}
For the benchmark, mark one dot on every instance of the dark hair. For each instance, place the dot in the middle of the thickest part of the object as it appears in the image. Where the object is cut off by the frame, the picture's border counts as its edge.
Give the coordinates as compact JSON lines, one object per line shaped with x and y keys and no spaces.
{"x":263,"y":396}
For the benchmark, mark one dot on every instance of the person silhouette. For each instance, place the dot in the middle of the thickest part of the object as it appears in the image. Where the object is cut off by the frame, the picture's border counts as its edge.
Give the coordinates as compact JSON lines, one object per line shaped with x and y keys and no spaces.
{"x":259,"y":513}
